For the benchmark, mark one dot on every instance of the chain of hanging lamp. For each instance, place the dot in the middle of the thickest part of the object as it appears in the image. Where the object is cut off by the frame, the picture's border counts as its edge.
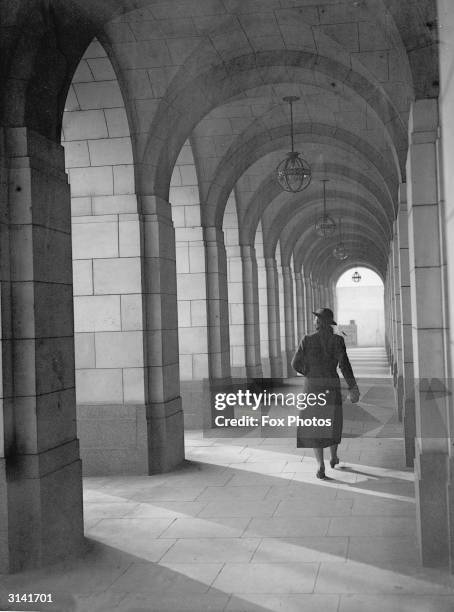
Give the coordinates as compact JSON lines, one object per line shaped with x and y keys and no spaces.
{"x":325,"y":225}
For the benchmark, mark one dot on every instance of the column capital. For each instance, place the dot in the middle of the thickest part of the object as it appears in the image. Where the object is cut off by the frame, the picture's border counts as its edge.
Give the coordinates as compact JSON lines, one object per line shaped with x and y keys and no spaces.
{"x":402,"y":195}
{"x":150,"y":204}
{"x":248,"y":251}
{"x":423,"y":116}
{"x":270,"y":263}
{"x":213,"y":233}
{"x":24,"y":142}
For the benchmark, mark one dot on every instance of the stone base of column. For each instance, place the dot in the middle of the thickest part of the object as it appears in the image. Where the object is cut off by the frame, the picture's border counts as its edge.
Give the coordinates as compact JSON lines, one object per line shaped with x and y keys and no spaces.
{"x":284,"y":364}
{"x":266,"y":367}
{"x":113,"y":439}
{"x":276,"y":367}
{"x":196,"y":402}
{"x":254,"y":371}
{"x":238,"y":371}
{"x":431,"y":473}
{"x":289,"y":357}
{"x":41,"y":514}
{"x":165,"y":436}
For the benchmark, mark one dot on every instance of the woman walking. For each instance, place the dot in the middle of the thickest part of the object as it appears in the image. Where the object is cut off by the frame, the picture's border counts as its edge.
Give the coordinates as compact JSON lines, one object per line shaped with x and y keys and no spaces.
{"x":317,"y":358}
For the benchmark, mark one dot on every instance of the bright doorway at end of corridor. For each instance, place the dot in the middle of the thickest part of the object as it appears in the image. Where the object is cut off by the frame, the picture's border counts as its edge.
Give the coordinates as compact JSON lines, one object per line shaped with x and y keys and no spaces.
{"x":360,"y":307}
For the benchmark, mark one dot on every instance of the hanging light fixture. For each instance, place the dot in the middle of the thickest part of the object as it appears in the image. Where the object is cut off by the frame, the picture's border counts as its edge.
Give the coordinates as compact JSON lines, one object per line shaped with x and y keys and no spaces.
{"x":339,"y":251}
{"x":325,"y":225}
{"x":356,"y":277}
{"x":293,"y":173}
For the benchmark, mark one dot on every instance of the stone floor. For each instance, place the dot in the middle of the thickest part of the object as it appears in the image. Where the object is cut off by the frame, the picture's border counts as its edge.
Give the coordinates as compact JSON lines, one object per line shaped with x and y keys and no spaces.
{"x":244,"y":525}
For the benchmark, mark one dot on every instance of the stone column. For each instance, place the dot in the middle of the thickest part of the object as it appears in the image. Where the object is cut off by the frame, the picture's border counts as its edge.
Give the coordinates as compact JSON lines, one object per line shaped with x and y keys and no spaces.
{"x":392,"y":305}
{"x":332,"y":298}
{"x":300,"y":305}
{"x":325,"y":300}
{"x":218,"y":313}
{"x":406,"y":329}
{"x":251,"y":312}
{"x":427,"y":305}
{"x":290,"y":344}
{"x":161,"y":359}
{"x":263,"y":303}
{"x":309,"y":304}
{"x":327,"y":297}
{"x":399,"y":359}
{"x":387,"y":316}
{"x":315,"y":295}
{"x":274,"y":335}
{"x":445,"y":15}
{"x":40,"y":470}
{"x":389,"y":277}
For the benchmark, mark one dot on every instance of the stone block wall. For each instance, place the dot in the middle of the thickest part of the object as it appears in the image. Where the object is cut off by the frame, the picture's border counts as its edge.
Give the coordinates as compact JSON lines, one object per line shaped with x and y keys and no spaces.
{"x":107,"y":281}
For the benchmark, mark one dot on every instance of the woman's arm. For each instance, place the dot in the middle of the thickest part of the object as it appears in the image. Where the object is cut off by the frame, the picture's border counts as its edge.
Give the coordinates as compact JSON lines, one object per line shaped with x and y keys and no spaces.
{"x":299,"y":362}
{"x":347,"y":371}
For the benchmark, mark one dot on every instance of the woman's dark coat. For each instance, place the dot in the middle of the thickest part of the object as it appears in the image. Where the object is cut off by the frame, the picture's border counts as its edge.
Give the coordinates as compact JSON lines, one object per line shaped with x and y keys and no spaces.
{"x":317,"y":358}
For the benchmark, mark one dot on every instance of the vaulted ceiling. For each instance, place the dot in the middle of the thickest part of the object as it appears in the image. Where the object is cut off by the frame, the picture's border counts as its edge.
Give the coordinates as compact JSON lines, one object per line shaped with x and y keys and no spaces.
{"x":214,"y":72}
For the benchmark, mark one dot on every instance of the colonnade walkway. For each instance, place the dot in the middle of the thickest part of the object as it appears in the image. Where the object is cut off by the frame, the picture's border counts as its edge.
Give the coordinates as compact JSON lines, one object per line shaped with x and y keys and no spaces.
{"x":244,"y":525}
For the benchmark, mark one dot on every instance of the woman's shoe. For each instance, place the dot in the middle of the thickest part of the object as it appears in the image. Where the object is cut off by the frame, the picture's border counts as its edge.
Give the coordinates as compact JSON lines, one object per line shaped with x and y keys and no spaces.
{"x":321,"y":472}
{"x":334,"y":462}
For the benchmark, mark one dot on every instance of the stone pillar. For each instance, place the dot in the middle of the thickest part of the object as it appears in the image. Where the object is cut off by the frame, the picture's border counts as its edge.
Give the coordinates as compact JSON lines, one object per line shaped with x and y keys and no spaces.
{"x":406,"y":333}
{"x":40,"y":470}
{"x":280,"y":277}
{"x":390,"y":313}
{"x":300,"y":305}
{"x":332,"y":297}
{"x":309,"y":304}
{"x":399,"y":359}
{"x":263,"y":303}
{"x":290,"y":344}
{"x":445,"y":15}
{"x":162,"y":383}
{"x":315,"y":295}
{"x":251,"y":312}
{"x":392,"y":304}
{"x":327,"y":298}
{"x":218,"y":313}
{"x":387,"y":316}
{"x":427,"y":304}
{"x":274,"y":335}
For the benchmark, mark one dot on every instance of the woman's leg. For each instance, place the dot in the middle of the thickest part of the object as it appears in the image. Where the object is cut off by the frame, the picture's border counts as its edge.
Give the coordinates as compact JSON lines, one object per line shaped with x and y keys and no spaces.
{"x":333,"y":451}
{"x":318,"y":452}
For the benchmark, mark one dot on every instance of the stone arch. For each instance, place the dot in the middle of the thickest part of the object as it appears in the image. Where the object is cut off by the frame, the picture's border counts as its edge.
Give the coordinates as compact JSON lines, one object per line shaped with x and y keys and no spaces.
{"x":228,"y":173}
{"x":309,"y":213}
{"x":298,"y":236}
{"x":172,"y":109}
{"x":313,"y":260}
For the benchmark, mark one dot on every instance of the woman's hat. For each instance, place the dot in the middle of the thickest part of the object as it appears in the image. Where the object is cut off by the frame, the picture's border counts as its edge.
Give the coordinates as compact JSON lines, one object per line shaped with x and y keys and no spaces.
{"x":326,"y":314}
